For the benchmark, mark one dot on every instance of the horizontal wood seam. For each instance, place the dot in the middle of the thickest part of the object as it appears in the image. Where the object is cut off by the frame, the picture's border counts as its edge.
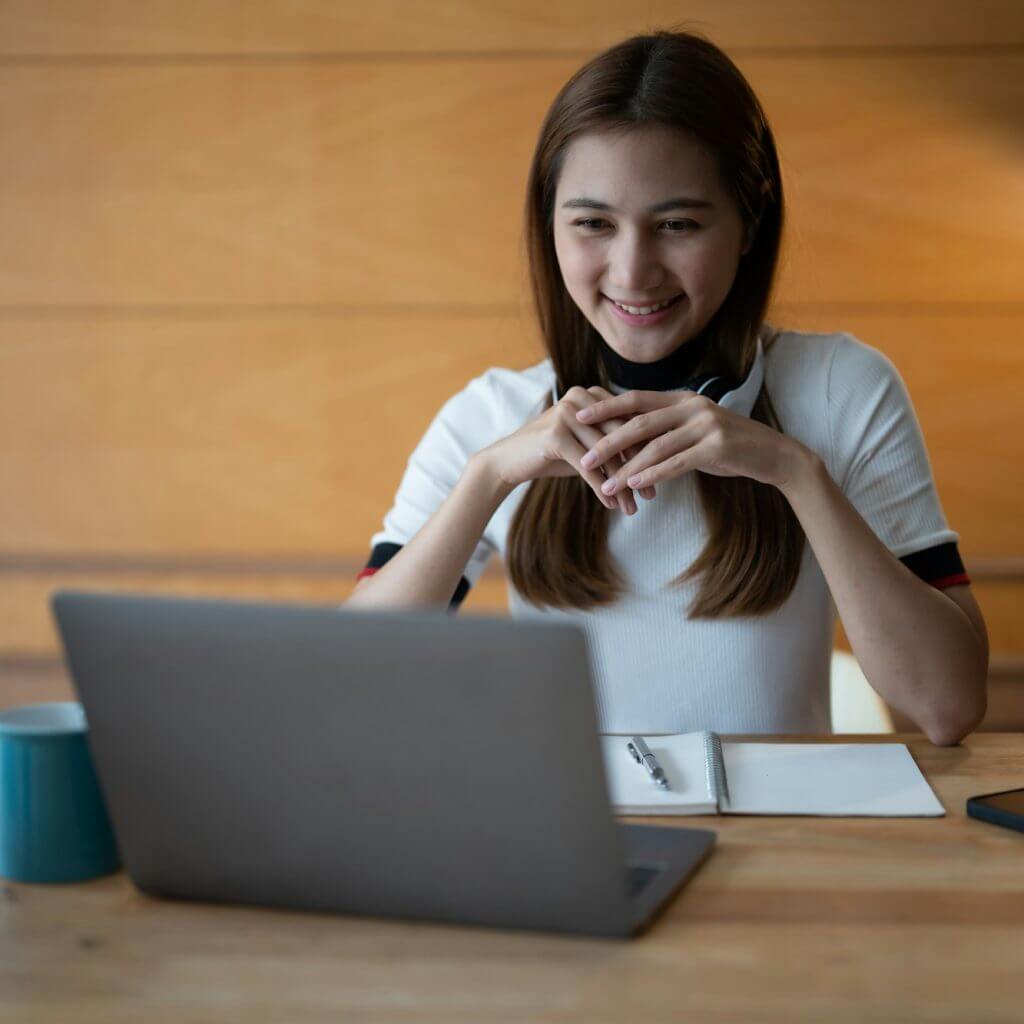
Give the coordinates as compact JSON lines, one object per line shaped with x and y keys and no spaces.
{"x":989,"y":569}
{"x":797,"y":52}
{"x":48,"y":311}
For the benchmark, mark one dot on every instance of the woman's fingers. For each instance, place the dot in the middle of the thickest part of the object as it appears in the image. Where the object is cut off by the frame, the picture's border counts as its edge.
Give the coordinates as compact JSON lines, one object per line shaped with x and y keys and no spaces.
{"x":607,"y":426}
{"x":586,"y":437}
{"x":646,"y":492}
{"x":665,"y":460}
{"x":572,"y":451}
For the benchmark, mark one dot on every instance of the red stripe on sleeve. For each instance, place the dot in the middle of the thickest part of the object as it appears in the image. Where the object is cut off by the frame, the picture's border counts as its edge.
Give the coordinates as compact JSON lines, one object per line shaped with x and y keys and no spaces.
{"x":368,"y":571}
{"x":950,"y":581}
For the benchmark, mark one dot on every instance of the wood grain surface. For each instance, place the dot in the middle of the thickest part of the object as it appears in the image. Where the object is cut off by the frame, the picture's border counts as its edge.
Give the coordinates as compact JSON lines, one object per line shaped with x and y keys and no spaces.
{"x":790,"y":920}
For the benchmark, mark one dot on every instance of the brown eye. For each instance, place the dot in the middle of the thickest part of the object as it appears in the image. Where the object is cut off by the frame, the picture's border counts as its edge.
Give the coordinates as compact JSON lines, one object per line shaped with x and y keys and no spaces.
{"x":589,"y":224}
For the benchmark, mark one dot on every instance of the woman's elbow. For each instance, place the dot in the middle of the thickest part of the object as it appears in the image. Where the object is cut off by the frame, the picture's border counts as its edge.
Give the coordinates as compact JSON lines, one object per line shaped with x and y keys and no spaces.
{"x":960,"y":721}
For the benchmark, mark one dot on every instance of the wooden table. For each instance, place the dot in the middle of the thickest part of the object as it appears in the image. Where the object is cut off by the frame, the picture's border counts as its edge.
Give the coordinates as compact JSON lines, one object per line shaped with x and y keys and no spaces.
{"x":791,"y":919}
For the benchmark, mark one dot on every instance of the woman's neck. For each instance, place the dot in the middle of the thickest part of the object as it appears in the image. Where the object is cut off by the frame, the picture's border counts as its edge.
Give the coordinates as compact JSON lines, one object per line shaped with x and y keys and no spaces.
{"x":666,"y":374}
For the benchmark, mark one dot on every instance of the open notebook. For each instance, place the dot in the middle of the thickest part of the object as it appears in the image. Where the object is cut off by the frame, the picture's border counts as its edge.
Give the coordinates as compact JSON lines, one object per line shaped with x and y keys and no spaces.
{"x":708,"y":776}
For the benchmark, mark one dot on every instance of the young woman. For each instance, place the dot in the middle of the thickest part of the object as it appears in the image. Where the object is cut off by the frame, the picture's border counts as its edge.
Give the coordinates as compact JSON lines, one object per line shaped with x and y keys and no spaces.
{"x":782,"y":474}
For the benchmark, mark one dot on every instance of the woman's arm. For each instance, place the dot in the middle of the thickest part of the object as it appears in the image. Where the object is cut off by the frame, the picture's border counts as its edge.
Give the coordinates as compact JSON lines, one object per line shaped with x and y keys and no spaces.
{"x":426,"y":570}
{"x":425,"y":573}
{"x":924,"y":650}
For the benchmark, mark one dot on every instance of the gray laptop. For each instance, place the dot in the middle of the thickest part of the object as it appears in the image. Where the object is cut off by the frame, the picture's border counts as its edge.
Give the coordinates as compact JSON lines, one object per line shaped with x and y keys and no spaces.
{"x":411,"y":764}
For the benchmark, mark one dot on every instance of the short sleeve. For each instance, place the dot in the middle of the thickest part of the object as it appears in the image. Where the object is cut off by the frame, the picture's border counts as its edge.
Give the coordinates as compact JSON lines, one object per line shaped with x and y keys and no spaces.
{"x":878,"y":454}
{"x":469,"y":421}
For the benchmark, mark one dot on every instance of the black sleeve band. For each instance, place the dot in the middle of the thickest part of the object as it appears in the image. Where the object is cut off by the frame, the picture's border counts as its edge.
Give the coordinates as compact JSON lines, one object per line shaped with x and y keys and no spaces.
{"x":941,"y":566}
{"x":383,"y":553}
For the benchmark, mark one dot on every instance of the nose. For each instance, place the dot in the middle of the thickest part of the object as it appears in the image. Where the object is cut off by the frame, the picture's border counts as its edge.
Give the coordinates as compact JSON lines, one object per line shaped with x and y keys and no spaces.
{"x":634,"y":265}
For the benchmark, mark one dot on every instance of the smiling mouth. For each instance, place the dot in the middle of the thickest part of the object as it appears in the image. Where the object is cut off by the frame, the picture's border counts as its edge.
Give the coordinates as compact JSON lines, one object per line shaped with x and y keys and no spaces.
{"x":645,"y":308}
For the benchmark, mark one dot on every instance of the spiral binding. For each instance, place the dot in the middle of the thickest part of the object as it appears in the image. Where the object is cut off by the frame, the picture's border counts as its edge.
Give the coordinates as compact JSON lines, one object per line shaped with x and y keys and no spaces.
{"x":714,"y":766}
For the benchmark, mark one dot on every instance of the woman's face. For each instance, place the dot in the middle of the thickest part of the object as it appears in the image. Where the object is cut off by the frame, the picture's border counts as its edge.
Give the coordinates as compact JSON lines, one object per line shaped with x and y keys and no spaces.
{"x":623,"y":251}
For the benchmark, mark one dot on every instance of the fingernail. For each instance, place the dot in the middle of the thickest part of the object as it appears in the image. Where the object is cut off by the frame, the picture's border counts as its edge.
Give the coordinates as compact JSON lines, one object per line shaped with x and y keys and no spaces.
{"x":583,"y":414}
{"x":608,"y":486}
{"x":589,"y":459}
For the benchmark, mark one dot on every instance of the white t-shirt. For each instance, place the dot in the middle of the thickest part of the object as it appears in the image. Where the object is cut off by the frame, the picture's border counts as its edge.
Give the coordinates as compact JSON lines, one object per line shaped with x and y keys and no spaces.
{"x":655,"y":670}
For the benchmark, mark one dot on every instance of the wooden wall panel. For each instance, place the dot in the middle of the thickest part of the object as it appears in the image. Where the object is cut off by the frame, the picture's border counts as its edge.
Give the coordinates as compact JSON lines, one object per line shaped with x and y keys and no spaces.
{"x":34,"y":670}
{"x":260,"y":434}
{"x":28,"y":629}
{"x":250,"y":248}
{"x":286,"y":435}
{"x":286,"y":27}
{"x":384,"y":182}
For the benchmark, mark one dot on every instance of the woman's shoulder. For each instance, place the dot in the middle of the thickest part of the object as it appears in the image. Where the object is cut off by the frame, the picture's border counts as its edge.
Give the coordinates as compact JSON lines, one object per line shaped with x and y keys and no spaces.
{"x":519,"y":386}
{"x":826,"y":384}
{"x":810,"y":362}
{"x":508,"y":395}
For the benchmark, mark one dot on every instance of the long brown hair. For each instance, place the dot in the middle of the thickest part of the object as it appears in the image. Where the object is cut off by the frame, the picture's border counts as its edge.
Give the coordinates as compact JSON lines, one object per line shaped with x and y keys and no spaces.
{"x":558,"y":541}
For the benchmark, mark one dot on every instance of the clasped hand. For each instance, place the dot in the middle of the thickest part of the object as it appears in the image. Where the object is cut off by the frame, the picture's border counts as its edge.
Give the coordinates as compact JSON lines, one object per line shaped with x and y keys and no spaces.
{"x":666,"y":434}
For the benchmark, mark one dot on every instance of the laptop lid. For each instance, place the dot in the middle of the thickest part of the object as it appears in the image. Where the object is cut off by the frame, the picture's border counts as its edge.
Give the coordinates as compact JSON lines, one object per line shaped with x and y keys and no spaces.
{"x":401,"y":763}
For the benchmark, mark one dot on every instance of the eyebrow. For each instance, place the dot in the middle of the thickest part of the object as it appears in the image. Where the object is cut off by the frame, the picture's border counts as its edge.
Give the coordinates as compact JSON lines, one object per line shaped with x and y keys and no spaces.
{"x":678,"y":203}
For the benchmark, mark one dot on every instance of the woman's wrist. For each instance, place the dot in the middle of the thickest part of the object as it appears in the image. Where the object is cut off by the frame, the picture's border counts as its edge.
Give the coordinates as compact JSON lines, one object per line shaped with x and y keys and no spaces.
{"x":481,"y":472}
{"x":800,"y":469}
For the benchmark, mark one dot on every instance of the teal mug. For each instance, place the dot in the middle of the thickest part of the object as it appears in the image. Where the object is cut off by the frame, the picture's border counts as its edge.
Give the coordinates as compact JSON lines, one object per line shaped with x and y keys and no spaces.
{"x":54,"y":825}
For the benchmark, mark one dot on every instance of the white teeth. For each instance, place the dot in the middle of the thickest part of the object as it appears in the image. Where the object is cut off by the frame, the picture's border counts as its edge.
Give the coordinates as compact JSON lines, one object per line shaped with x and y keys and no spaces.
{"x":644,"y":310}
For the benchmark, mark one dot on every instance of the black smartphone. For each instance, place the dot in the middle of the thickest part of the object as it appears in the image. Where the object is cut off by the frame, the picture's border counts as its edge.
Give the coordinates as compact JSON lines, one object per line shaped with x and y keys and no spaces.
{"x":1005,"y":808}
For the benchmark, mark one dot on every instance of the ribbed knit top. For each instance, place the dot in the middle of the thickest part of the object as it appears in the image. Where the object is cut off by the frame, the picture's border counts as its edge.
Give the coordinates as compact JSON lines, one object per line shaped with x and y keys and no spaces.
{"x":655,"y":670}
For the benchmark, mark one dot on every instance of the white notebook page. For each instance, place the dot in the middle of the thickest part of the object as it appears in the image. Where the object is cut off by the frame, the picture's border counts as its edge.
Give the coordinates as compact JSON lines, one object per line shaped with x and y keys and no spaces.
{"x":876,"y":779}
{"x":632,"y":790}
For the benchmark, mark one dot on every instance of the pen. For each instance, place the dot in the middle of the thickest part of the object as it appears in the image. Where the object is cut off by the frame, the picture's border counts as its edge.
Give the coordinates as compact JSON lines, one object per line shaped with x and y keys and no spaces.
{"x":643,"y":756}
